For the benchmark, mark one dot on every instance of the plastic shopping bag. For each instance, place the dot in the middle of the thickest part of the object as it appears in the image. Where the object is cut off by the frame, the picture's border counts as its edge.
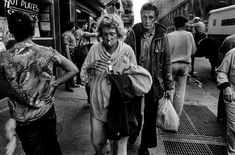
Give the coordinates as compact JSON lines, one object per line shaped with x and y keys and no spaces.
{"x":167,"y":118}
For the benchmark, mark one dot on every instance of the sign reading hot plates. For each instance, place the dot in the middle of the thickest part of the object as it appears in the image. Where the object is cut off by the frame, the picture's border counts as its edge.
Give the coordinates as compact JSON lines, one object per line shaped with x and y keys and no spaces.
{"x":29,"y":6}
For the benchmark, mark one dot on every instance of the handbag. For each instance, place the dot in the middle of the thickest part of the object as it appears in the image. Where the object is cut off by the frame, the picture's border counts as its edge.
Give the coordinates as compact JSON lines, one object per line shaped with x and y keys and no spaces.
{"x":167,"y":118}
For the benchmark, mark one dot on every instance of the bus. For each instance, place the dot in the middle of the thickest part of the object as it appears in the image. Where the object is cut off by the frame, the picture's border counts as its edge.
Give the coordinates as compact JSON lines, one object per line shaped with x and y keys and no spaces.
{"x":191,"y":9}
{"x":221,"y":22}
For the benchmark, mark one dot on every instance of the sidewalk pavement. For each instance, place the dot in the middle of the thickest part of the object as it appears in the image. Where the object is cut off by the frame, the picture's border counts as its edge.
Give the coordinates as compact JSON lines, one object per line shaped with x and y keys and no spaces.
{"x":194,"y":130}
{"x":74,"y":126}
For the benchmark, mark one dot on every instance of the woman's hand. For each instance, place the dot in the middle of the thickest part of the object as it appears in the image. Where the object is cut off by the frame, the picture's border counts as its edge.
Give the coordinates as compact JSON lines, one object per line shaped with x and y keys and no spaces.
{"x":99,"y":65}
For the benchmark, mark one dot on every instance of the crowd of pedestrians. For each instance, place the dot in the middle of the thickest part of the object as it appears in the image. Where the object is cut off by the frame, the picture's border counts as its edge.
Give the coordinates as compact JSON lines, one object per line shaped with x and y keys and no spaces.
{"x":138,"y":68}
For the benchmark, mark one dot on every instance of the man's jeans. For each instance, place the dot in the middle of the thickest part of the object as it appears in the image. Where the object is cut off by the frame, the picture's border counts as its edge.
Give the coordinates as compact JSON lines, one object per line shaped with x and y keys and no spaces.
{"x":179,"y":73}
{"x":39,"y":137}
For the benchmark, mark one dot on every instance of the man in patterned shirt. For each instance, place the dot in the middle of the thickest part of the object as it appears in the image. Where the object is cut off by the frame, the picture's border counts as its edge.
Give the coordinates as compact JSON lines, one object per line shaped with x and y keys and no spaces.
{"x":27,"y":68}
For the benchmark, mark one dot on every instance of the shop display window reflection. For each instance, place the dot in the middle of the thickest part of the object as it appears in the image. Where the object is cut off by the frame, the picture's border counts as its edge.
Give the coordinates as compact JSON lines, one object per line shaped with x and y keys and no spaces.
{"x":40,"y":12}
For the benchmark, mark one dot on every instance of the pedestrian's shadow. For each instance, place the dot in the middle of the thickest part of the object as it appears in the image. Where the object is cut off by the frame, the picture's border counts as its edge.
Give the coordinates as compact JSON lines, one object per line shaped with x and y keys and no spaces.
{"x":75,"y":136}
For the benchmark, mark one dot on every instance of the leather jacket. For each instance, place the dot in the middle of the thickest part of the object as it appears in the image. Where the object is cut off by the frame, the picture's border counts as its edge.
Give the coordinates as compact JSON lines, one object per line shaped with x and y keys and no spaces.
{"x":159,"y":54}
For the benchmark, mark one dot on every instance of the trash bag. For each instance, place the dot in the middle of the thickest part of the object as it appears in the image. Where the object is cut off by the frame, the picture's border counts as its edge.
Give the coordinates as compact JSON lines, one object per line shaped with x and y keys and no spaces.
{"x":167,"y":117}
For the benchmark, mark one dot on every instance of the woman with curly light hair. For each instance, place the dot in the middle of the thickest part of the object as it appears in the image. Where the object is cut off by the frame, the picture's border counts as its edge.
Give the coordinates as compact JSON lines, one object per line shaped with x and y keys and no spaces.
{"x":112,"y":21}
{"x":107,"y":61}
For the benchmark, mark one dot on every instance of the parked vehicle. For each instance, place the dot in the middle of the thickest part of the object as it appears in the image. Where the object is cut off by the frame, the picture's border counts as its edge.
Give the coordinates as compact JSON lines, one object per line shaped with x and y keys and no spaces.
{"x":221,"y":23}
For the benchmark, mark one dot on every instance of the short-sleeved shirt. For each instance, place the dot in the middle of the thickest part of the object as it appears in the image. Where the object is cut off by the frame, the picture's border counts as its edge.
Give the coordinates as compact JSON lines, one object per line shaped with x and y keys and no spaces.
{"x":28,"y":70}
{"x":81,"y":41}
{"x":69,"y":39}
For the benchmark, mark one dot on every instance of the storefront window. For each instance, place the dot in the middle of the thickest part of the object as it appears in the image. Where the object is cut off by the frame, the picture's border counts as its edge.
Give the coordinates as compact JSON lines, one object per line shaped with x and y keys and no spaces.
{"x":39,"y":10}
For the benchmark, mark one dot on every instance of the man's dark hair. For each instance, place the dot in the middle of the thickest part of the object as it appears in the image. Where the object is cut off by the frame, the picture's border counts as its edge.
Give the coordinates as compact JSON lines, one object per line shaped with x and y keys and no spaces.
{"x":69,"y":25}
{"x":150,"y":6}
{"x":179,"y":21}
{"x":21,"y":25}
{"x":81,"y":23}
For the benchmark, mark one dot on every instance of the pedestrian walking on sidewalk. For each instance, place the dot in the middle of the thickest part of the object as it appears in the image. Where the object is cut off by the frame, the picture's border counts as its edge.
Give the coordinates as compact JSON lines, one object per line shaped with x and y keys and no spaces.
{"x":28,"y":69}
{"x":227,"y":44}
{"x":182,"y":47}
{"x":226,"y":83}
{"x":150,"y":43}
{"x":110,"y":59}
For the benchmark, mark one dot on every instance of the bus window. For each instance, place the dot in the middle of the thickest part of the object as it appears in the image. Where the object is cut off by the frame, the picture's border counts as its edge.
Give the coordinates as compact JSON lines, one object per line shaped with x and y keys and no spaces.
{"x":228,"y":22}
{"x":214,"y":22}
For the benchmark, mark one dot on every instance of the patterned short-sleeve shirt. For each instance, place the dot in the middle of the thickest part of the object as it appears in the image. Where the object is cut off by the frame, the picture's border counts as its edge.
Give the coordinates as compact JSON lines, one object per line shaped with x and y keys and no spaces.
{"x":28,"y":70}
{"x":69,"y":39}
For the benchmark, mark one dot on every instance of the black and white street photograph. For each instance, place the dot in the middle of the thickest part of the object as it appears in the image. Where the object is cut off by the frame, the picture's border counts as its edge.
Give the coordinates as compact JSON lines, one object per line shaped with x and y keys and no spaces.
{"x":117,"y":77}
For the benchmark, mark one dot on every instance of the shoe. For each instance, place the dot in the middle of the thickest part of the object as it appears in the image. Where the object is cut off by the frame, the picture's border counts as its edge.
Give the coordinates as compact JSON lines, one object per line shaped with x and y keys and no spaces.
{"x":69,"y":89}
{"x":143,"y":151}
{"x":74,"y":85}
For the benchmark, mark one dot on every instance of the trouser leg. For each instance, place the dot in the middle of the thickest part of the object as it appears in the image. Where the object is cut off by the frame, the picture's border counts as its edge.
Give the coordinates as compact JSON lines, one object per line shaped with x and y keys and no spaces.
{"x":119,"y":147}
{"x":39,"y":137}
{"x":221,"y":110}
{"x":179,"y":73}
{"x":149,"y":135}
{"x":98,"y":136}
{"x":179,"y":93}
{"x":230,"y":109}
{"x":49,"y":135}
{"x":87,"y":88}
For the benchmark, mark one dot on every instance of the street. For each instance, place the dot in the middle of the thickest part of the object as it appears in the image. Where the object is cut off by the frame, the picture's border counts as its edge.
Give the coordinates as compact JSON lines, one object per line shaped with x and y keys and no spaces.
{"x":73,"y":114}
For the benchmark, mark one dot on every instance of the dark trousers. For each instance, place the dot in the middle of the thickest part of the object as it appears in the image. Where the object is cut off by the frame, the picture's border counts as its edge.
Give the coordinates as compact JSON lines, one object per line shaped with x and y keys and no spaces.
{"x":81,"y":53}
{"x":87,"y":88}
{"x":149,"y":135}
{"x":39,"y":137}
{"x":221,"y":109}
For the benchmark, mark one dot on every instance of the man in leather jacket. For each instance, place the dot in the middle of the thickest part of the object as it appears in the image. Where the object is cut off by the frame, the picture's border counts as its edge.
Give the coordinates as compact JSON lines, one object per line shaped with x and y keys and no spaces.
{"x":150,"y":44}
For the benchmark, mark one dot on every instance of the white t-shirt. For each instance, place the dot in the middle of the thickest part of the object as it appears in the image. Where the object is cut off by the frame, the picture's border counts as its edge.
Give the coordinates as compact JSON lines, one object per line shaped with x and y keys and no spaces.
{"x":182,"y":46}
